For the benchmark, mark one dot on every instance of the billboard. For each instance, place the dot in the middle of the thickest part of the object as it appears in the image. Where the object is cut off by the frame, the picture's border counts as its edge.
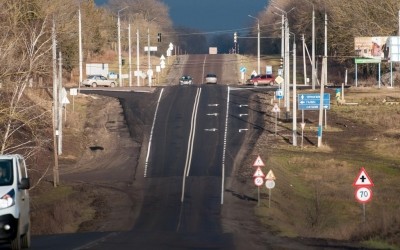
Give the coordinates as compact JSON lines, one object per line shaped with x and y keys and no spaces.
{"x":371,"y":47}
{"x":393,"y":45}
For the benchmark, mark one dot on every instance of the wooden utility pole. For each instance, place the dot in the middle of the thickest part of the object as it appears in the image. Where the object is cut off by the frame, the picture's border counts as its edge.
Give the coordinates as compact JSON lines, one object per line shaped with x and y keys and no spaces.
{"x":55,"y":106}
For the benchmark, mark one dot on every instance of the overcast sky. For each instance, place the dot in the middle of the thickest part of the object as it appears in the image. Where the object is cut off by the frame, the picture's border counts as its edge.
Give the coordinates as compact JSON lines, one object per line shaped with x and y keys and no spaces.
{"x":212,"y":15}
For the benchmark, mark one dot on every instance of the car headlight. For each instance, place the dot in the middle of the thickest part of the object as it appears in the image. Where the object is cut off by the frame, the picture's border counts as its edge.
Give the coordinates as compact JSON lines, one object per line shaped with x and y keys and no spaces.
{"x":8,"y":199}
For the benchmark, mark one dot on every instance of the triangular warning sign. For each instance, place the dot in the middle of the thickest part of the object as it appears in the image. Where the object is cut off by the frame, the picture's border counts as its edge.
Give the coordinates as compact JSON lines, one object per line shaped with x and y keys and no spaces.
{"x":363,"y":179}
{"x":270,"y":176}
{"x":258,"y":162}
{"x":258,"y":173}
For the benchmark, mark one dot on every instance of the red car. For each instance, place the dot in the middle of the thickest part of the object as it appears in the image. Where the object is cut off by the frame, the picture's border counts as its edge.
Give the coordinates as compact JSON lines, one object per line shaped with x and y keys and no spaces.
{"x":262,"y":79}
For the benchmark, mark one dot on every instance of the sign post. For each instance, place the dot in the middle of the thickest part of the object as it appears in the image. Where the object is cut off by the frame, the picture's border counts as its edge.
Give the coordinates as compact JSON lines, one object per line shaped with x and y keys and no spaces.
{"x":363,"y":193}
{"x":276,"y":110}
{"x":258,"y":180}
{"x":270,"y":184}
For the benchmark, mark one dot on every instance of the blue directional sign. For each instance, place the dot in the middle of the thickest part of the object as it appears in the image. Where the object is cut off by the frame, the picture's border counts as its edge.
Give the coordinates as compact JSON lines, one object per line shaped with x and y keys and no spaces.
{"x":279,"y":94}
{"x":243,"y":69}
{"x":312,"y":101}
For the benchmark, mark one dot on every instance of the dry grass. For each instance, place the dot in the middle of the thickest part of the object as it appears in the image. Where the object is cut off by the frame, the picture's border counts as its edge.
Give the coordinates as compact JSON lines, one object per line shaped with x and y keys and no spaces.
{"x":314,"y":185}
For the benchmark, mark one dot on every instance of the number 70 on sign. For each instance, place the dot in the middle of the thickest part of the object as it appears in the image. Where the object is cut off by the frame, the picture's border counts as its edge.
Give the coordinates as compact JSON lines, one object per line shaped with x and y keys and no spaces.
{"x":363,"y":194}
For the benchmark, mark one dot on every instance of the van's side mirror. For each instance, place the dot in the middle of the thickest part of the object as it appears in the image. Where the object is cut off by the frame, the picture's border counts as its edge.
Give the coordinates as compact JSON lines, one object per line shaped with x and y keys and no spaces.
{"x":24,"y":184}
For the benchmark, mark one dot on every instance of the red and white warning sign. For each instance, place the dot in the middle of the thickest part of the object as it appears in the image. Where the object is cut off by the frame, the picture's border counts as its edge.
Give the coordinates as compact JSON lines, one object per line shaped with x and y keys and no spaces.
{"x":363,"y":194}
{"x":363,"y":179}
{"x":270,"y":176}
{"x":258,"y":181}
{"x":258,"y":173}
{"x":258,"y":162}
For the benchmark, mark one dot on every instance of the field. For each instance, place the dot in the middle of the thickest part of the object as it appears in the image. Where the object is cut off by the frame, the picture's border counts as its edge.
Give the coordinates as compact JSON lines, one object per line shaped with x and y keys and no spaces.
{"x":314,"y":196}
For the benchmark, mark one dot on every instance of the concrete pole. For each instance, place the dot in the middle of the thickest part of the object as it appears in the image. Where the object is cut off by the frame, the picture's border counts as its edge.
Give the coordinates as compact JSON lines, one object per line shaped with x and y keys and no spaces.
{"x":287,"y":68}
{"x":80,"y":51}
{"x":304,"y":60}
{"x":148,"y":56}
{"x":119,"y":52}
{"x":313,"y":73}
{"x":258,"y":46}
{"x":321,"y":105}
{"x":137,"y":58}
{"x":294,"y":96}
{"x":130,"y":56}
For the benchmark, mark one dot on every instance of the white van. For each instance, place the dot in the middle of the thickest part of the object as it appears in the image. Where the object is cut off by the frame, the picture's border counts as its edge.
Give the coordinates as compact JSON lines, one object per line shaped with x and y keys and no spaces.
{"x":15,"y":225}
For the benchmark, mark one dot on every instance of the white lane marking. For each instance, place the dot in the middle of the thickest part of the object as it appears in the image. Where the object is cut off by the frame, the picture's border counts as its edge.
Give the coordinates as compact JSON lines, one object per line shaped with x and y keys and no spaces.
{"x":243,"y":105}
{"x":224,"y":151}
{"x":190,"y":142}
{"x":243,"y":129}
{"x":211,"y":129}
{"x":213,"y":105}
{"x":214,"y":114}
{"x":240,"y":115}
{"x":151,"y":134}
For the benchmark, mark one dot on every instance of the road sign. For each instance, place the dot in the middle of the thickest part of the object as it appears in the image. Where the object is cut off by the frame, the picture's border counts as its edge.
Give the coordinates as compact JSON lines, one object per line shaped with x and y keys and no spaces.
{"x":270,"y":176}
{"x":270,"y":184}
{"x":258,"y":162}
{"x":243,"y":69}
{"x":152,"y":48}
{"x":259,"y":181}
{"x":276,"y":109}
{"x":73,"y":91}
{"x":279,"y":79}
{"x":312,"y":101}
{"x":258,"y":173}
{"x":363,"y":194}
{"x":363,"y":179}
{"x":279,"y":94}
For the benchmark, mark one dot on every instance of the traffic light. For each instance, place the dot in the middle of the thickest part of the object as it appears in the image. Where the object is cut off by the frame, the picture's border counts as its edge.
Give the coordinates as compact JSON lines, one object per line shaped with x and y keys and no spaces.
{"x":235,"y":37}
{"x":281,"y":63}
{"x":159,"y":37}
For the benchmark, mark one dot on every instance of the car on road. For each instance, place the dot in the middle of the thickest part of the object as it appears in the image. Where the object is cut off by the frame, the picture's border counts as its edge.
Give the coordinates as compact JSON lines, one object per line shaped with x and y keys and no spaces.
{"x":98,"y":80}
{"x":186,"y":80}
{"x":262,"y":80}
{"x":211,"y":78}
{"x":14,"y":202}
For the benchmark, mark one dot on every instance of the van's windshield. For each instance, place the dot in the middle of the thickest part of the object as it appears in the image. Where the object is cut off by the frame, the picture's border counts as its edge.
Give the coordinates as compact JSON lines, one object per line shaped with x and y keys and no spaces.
{"x":6,"y":173}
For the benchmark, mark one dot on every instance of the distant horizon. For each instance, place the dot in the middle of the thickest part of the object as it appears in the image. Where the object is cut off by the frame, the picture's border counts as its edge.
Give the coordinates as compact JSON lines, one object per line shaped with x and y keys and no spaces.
{"x":224,"y":15}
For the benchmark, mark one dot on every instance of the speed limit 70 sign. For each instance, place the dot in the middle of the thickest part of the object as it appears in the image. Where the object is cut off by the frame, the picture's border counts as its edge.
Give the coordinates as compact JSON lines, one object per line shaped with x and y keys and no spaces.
{"x":363,"y":194}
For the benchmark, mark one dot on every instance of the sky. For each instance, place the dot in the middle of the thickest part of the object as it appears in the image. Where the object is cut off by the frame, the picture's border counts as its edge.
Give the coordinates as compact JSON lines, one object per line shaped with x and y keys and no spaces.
{"x":212,"y":15}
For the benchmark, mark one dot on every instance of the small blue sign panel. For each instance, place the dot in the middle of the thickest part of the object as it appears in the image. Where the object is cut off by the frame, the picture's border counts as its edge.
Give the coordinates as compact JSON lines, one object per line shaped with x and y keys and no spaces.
{"x":312,"y":101}
{"x":279,"y":94}
{"x":243,"y":69}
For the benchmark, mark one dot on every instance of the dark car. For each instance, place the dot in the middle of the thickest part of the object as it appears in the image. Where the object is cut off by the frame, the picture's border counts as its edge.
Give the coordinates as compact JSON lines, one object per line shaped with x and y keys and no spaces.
{"x":185,"y":80}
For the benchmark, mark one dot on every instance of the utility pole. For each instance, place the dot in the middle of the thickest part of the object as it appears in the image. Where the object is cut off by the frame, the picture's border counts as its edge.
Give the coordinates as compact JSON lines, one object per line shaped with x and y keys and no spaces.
{"x":60,"y":106}
{"x":258,"y":44}
{"x":287,"y":69}
{"x":137,"y":58}
{"x":304,"y":60}
{"x":149,"y":76}
{"x":313,"y":73}
{"x":80,"y":51}
{"x":119,"y":48}
{"x":130,"y":55}
{"x":321,"y":100}
{"x":55,"y":102}
{"x":294,"y":95}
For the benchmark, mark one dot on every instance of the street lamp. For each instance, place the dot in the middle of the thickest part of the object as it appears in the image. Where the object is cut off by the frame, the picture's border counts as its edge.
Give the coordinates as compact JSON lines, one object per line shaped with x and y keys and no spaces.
{"x":258,"y":43}
{"x":119,"y":48}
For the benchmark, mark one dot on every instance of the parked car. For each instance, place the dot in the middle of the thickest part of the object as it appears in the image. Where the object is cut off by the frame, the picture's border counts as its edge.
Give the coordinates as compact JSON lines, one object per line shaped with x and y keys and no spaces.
{"x":98,"y":80}
{"x":211,"y":78}
{"x":185,"y":80}
{"x":14,"y":202}
{"x":262,"y":79}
